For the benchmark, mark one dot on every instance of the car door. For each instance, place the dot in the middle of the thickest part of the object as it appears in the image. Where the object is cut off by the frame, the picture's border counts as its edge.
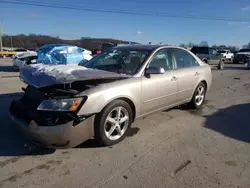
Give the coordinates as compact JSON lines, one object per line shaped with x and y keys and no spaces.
{"x":159,"y":90}
{"x":187,"y":71}
{"x":202,"y":53}
{"x":214,"y":56}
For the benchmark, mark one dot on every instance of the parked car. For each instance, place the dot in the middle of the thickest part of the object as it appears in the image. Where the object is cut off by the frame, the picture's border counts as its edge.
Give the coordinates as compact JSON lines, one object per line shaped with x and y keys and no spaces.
{"x":227,"y":54}
{"x":87,"y":55}
{"x":60,"y":54}
{"x":209,"y":56}
{"x":242,"y":56}
{"x":108,"y":45}
{"x":26,"y":58}
{"x":64,"y":106}
{"x":20,"y":51}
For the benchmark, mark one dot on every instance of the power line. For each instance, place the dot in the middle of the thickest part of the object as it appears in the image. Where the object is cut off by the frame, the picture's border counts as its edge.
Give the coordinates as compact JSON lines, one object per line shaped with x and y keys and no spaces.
{"x":154,"y":1}
{"x":183,"y":1}
{"x":125,"y":12}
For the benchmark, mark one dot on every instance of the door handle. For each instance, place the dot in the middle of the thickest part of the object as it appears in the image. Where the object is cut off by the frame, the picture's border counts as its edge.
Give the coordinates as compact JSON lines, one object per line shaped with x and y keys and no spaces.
{"x":197,"y":74}
{"x":174,"y":79}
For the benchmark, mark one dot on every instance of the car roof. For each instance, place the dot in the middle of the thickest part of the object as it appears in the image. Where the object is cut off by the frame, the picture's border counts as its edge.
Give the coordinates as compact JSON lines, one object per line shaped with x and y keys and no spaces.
{"x":201,"y":47}
{"x":140,"y":47}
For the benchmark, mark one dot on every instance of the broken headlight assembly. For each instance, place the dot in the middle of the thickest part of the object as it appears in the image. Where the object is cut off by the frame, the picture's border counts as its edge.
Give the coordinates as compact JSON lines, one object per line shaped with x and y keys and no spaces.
{"x":63,"y":105}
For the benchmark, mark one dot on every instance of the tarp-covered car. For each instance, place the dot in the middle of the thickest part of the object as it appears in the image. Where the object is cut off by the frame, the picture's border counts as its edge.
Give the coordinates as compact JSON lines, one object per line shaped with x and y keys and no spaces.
{"x":59,"y":54}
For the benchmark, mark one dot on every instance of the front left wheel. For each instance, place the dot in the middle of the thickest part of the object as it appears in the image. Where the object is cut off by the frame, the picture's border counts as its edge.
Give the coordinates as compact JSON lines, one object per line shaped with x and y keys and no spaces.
{"x":113,"y":122}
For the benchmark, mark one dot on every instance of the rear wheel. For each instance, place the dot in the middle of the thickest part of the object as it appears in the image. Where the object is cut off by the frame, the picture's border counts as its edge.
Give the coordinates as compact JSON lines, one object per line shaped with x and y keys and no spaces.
{"x":221,"y":65}
{"x":205,"y":61}
{"x":113,"y":122}
{"x":235,"y":62}
{"x":198,"y":97}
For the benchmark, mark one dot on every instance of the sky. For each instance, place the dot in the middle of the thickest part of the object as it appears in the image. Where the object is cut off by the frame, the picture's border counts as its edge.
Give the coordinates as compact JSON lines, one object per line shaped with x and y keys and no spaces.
{"x":72,"y":24}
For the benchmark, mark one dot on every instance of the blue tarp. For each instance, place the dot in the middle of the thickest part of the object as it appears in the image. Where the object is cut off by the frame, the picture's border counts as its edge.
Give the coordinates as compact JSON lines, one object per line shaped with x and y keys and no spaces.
{"x":59,"y":54}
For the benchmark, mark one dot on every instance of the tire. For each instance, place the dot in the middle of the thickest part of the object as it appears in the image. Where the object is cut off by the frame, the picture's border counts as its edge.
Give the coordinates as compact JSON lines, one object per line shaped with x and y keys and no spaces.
{"x":194,"y":104}
{"x":103,"y":127}
{"x":205,"y":61}
{"x":221,"y":65}
{"x":235,"y":62}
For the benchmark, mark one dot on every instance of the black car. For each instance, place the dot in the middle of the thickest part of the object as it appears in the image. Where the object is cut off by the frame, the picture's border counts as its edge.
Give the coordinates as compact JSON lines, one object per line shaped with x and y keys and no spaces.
{"x":209,"y":56}
{"x":242,"y":56}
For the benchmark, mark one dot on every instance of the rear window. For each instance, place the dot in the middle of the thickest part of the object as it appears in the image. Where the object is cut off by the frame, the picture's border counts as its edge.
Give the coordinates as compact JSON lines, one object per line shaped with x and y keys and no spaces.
{"x":244,"y":50}
{"x":199,"y":50}
{"x":221,"y":51}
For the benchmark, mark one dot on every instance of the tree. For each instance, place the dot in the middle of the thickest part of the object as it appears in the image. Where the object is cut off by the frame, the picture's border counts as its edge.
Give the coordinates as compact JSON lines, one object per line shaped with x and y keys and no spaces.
{"x":214,"y":46}
{"x":245,"y":46}
{"x":191,"y":44}
{"x":232,"y":48}
{"x":37,"y":40}
{"x":204,"y":43}
{"x":182,"y":45}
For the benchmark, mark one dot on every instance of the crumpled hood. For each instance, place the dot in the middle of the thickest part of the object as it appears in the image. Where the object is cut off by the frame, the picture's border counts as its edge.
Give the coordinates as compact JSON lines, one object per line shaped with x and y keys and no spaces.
{"x":45,"y":75}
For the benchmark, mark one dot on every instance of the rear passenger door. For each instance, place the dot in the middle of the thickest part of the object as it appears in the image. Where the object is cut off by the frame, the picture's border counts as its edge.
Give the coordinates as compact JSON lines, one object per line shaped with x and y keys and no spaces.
{"x":187,"y":71}
{"x":214,"y":56}
{"x":202,"y":53}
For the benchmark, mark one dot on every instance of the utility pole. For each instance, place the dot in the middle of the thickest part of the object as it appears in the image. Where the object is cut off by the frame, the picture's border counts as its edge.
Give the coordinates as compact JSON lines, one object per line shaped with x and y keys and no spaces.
{"x":11,"y":42}
{"x":1,"y":41}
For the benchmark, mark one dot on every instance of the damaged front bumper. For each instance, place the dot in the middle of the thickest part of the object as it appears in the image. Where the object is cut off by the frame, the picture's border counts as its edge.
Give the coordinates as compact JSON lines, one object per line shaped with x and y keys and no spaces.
{"x":59,"y":135}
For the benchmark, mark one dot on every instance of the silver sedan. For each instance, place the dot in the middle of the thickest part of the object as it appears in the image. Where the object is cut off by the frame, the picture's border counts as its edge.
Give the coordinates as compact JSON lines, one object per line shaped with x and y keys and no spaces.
{"x":64,"y":106}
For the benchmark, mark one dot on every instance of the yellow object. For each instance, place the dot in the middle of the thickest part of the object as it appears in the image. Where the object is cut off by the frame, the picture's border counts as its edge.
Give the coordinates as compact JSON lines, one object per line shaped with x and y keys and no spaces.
{"x":7,"y":53}
{"x":75,"y":104}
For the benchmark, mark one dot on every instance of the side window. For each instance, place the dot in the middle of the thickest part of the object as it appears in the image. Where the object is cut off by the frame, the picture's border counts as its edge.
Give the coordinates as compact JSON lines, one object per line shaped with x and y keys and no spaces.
{"x":184,"y":59}
{"x":203,"y":50}
{"x":194,"y":50}
{"x":212,"y":51}
{"x":163,"y":59}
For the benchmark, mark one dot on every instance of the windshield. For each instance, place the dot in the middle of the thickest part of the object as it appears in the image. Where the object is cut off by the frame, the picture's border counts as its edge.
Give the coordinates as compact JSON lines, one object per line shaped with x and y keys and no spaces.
{"x":244,"y":50}
{"x":124,"y":61}
{"x":221,"y":51}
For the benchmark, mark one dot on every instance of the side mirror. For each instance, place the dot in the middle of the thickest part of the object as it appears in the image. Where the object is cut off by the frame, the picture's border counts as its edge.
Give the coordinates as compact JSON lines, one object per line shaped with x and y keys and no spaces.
{"x":154,"y":70}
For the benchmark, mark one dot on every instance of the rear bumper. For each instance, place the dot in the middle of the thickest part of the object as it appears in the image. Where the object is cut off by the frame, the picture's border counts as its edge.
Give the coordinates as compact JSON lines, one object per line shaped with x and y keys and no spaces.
{"x":59,"y":136}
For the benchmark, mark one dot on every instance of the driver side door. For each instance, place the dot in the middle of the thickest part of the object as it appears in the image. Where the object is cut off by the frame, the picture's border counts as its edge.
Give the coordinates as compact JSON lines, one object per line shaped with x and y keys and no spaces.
{"x":159,"y":90}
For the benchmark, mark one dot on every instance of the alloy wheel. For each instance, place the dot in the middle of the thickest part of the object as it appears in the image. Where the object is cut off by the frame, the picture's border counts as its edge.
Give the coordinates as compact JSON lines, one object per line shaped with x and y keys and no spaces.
{"x":116,"y":123}
{"x":200,"y":95}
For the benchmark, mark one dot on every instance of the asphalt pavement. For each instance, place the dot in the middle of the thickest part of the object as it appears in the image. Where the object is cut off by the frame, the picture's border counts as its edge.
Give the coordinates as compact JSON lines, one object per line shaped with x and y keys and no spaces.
{"x":172,"y":148}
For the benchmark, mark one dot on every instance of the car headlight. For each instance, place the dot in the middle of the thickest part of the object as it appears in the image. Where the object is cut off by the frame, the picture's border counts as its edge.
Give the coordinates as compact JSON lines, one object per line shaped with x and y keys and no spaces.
{"x":67,"y":105}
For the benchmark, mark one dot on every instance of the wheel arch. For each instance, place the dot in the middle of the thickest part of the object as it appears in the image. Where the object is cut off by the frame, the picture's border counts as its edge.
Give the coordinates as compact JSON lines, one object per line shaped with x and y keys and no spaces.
{"x":200,"y":81}
{"x":126,"y":99}
{"x":205,"y":60}
{"x":204,"y":82}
